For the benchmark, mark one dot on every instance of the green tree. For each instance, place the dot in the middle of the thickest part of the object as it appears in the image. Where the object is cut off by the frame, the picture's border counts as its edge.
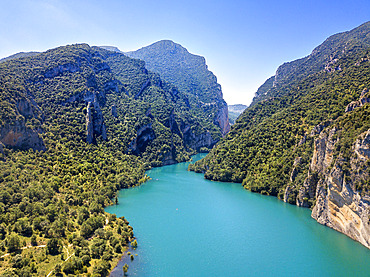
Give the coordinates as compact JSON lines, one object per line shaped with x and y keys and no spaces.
{"x":101,"y":269}
{"x":13,"y":243}
{"x":125,"y":269}
{"x":54,"y":247}
{"x":33,"y":240}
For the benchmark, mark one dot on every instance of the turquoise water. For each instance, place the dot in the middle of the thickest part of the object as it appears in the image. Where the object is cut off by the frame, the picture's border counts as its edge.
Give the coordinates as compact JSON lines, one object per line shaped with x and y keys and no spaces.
{"x":188,"y":226}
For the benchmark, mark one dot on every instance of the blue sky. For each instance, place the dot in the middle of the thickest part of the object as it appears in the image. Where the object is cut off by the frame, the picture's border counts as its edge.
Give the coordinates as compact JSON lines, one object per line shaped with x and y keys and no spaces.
{"x":243,"y":41}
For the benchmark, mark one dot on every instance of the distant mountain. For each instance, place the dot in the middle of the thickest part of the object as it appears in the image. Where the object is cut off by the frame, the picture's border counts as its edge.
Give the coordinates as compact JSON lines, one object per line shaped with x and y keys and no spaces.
{"x":111,"y":48}
{"x":306,"y":136}
{"x":235,"y":111}
{"x":190,"y":74}
{"x":19,"y":55}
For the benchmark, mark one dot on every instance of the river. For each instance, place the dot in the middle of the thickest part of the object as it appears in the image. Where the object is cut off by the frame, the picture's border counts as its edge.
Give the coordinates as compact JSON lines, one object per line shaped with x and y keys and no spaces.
{"x":188,"y":226}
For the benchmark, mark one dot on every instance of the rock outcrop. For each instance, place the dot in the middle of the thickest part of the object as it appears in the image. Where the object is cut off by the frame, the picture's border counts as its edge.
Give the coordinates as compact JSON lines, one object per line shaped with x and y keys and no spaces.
{"x":290,"y":190}
{"x":197,"y":141}
{"x":60,"y":69}
{"x":143,"y":137}
{"x":17,"y":135}
{"x":321,"y":160}
{"x":222,"y":118}
{"x":330,"y":186}
{"x":89,"y":124}
{"x":364,"y":98}
{"x":338,"y":204}
{"x":94,"y":119}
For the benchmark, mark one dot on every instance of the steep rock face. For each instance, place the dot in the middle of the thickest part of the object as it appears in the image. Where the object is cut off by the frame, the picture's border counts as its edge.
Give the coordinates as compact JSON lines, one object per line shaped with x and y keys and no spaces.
{"x":19,"y":136}
{"x":89,"y":125}
{"x":95,"y":125}
{"x":143,"y":137}
{"x":197,"y":141}
{"x":17,"y":133}
{"x":338,"y":204}
{"x":289,"y":193}
{"x":321,"y":160}
{"x":60,"y":69}
{"x":222,"y":118}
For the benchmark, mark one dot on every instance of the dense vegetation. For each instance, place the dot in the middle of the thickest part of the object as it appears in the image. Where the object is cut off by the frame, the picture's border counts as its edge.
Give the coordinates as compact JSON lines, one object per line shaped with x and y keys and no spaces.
{"x":262,"y":145}
{"x":54,"y":182}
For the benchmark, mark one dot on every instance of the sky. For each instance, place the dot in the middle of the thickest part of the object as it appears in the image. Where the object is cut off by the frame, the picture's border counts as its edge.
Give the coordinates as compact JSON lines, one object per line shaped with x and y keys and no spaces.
{"x":243,"y":41}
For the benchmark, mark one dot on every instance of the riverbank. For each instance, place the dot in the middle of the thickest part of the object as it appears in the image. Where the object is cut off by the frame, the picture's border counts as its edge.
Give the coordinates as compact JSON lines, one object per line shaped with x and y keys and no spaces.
{"x":125,"y":259}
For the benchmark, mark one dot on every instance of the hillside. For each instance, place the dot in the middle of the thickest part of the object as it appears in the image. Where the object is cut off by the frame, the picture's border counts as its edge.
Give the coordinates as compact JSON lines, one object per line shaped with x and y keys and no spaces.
{"x":235,"y":111}
{"x":305,"y":138}
{"x":19,"y":55}
{"x":77,"y":123}
{"x":190,"y":74}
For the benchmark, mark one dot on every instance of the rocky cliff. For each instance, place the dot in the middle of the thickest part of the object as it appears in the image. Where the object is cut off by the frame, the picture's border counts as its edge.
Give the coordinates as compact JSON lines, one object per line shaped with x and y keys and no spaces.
{"x":339,"y":204}
{"x":23,"y":131}
{"x":335,"y":186}
{"x":18,"y":135}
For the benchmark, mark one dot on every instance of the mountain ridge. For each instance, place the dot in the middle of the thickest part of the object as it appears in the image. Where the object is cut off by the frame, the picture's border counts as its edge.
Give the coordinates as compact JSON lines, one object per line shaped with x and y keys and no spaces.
{"x":300,"y":138}
{"x":322,"y":57}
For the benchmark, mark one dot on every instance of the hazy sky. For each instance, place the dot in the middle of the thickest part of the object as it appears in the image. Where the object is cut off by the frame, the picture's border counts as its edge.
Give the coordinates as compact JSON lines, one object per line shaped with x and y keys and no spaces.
{"x":243,"y":41}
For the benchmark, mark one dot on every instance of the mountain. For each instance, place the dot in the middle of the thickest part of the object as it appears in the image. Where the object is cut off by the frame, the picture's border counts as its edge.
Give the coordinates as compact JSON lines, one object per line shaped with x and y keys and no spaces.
{"x":305,"y":137}
{"x":77,"y":123}
{"x":190,"y":74}
{"x":111,"y":48}
{"x":235,"y":111}
{"x":19,"y":55}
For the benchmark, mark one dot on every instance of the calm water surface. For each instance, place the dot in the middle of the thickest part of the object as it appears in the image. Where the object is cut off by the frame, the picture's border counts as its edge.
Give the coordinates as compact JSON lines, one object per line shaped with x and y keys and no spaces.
{"x":188,"y":226}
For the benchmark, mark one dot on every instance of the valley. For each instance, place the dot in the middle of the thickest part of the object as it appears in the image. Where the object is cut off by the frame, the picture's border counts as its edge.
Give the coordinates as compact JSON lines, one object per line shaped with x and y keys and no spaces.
{"x":88,"y":130}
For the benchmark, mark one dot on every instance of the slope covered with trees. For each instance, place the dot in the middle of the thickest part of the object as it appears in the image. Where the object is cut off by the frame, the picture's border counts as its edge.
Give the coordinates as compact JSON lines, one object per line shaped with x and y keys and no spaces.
{"x":77,"y":123}
{"x":304,"y":125}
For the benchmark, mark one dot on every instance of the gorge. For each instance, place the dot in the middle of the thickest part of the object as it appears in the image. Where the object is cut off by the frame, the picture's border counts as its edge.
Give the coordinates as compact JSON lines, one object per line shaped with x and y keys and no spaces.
{"x":79,"y":123}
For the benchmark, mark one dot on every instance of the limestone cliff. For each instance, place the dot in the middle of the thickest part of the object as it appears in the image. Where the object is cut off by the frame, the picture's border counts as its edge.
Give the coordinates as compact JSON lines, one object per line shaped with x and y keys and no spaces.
{"x":321,"y":161}
{"x":18,"y":135}
{"x":222,"y":118}
{"x":143,"y":137}
{"x":335,"y":185}
{"x":338,"y":204}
